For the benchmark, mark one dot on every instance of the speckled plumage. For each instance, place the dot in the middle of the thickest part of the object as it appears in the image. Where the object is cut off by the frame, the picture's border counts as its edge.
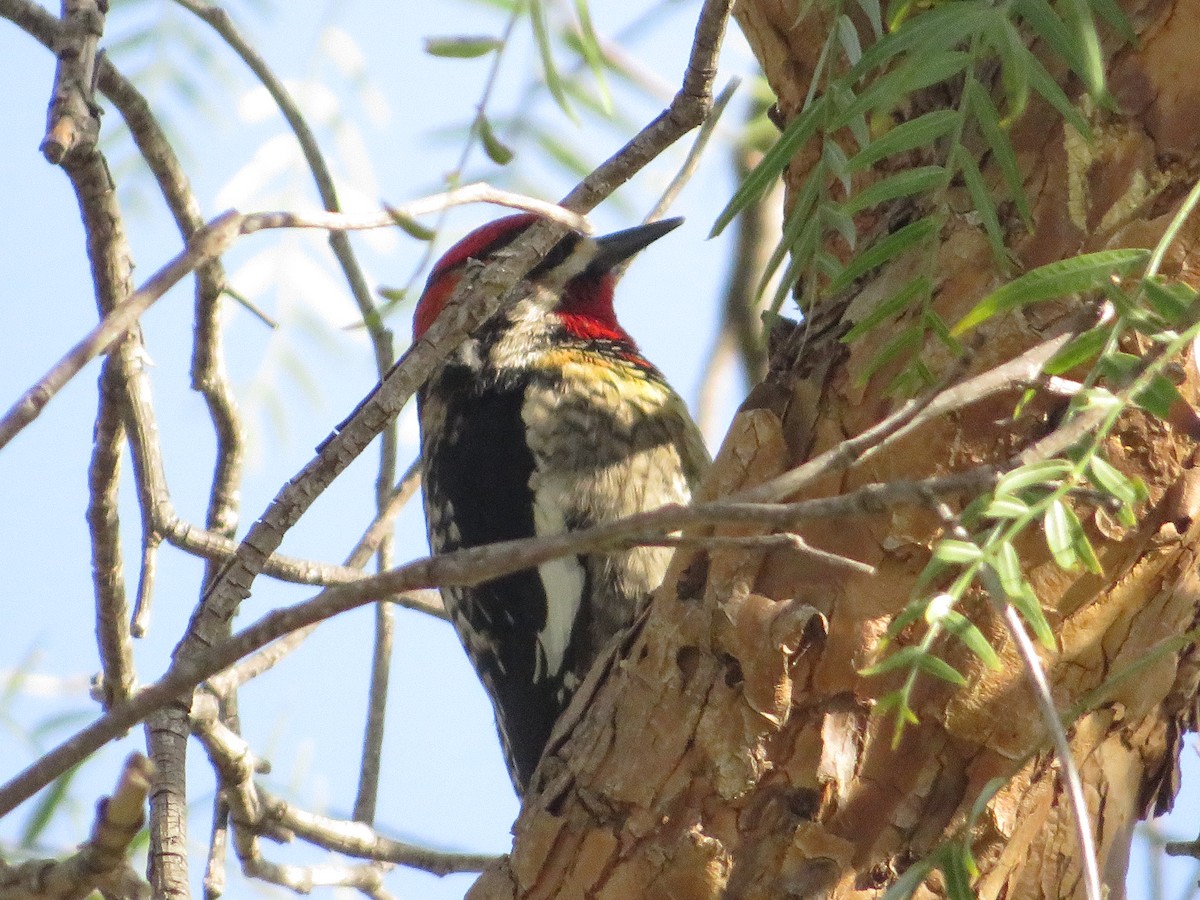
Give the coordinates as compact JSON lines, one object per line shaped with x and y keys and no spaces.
{"x":549,"y":419}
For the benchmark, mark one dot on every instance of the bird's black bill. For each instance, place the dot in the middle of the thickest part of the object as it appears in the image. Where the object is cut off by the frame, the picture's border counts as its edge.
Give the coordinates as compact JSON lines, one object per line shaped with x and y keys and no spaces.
{"x":617,"y":247}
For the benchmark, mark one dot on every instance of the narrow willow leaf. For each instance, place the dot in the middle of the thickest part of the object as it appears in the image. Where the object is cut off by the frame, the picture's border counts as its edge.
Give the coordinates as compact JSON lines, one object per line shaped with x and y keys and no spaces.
{"x":882,"y":251}
{"x":1008,"y":507}
{"x":1002,"y":149}
{"x":1043,"y":82}
{"x":410,"y":226}
{"x":848,"y":37}
{"x":1025,"y":601}
{"x":938,"y":327}
{"x":963,"y":629}
{"x":1057,"y":527}
{"x":49,"y":802}
{"x":874,"y":15}
{"x":914,"y":876}
{"x":955,"y":874}
{"x":1111,"y":13}
{"x":984,"y":205}
{"x":1080,"y":544}
{"x":1009,"y":46}
{"x":1078,"y":351}
{"x":565,"y":156}
{"x":1113,"y":481}
{"x":834,"y":158}
{"x":1046,"y":472}
{"x":802,"y":256}
{"x":1054,"y":31}
{"x":939,"y":668}
{"x":1088,"y":41}
{"x":941,"y":28}
{"x":959,"y":552}
{"x":462,"y":46}
{"x":1056,"y":279}
{"x":541,"y":36}
{"x":1007,"y":565}
{"x":1158,"y":397}
{"x":904,"y":658}
{"x":497,"y":151}
{"x":893,"y":306}
{"x":891,"y":90}
{"x":801,"y":219}
{"x":905,"y":343}
{"x":904,"y":183}
{"x":799,"y":130}
{"x":919,"y":132}
{"x":834,"y":216}
{"x":1172,"y":300}
{"x":589,"y":45}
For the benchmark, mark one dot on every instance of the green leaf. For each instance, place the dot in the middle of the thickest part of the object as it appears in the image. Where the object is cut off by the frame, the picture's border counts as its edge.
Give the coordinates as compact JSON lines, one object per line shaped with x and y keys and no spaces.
{"x":760,"y":179}
{"x":410,"y":226}
{"x":884,"y":250}
{"x":1158,"y":397}
{"x":919,"y":132}
{"x":1111,"y":13}
{"x":1173,"y":300}
{"x":941,"y":28}
{"x":957,"y":552}
{"x":1078,"y":351}
{"x":49,"y":802}
{"x":462,"y":46}
{"x":907,"y":342}
{"x":541,"y":35}
{"x":906,"y":885}
{"x":1026,"y":603}
{"x":1046,"y":472}
{"x":1056,"y":279}
{"x":901,"y":659}
{"x":957,"y":872}
{"x":1043,"y":82}
{"x":589,"y":45}
{"x":894,"y":305}
{"x":497,"y":151}
{"x":1008,"y":507}
{"x":1113,"y":481}
{"x":1007,"y":565}
{"x":1058,"y":536}
{"x":1067,"y":541}
{"x":963,"y":629}
{"x":904,"y":183}
{"x":1091,"y":71}
{"x":984,"y":205}
{"x":874,"y":15}
{"x":939,"y":668}
{"x":988,"y":118}
{"x":848,"y":37}
{"x":1050,"y":28}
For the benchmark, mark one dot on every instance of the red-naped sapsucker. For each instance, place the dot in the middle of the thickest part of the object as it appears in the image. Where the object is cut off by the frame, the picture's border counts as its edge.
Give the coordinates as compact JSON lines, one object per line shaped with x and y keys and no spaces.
{"x":548,"y":419}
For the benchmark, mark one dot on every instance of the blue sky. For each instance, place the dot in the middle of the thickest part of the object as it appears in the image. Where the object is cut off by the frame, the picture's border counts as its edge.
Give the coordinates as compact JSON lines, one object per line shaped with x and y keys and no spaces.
{"x":386,"y":113}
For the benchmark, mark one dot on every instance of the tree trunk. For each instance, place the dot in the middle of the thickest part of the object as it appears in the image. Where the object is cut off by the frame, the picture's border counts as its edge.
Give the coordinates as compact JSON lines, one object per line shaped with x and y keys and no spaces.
{"x":729,"y":748}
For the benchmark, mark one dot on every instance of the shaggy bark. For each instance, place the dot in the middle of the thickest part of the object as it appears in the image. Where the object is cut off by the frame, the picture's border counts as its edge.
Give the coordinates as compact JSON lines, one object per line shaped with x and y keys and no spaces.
{"x":728,"y":748}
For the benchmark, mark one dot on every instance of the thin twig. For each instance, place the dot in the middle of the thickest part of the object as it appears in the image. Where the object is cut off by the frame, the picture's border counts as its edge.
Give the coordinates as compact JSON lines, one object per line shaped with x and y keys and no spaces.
{"x":108,"y":577}
{"x":209,"y":243}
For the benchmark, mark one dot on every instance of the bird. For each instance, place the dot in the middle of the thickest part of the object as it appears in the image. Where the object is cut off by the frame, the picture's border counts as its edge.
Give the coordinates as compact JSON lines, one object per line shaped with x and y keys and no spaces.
{"x":548,"y":419}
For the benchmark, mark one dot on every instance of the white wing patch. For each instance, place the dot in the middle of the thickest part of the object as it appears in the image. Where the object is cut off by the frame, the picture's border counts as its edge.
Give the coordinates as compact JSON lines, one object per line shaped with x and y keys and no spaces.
{"x":562,"y":580}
